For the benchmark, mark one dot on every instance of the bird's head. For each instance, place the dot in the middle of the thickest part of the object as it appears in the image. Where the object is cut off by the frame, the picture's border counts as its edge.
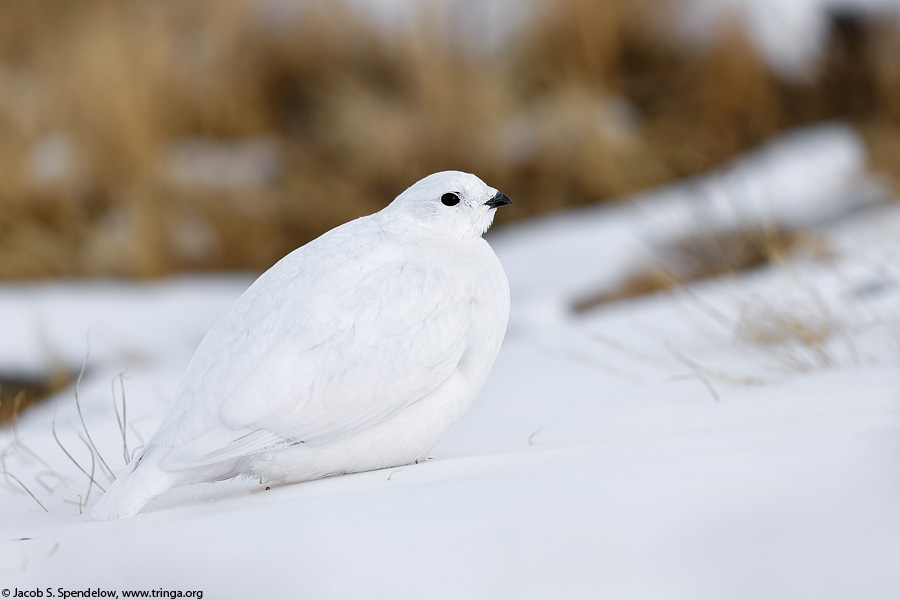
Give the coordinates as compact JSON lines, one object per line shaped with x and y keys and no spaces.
{"x":458,"y":204}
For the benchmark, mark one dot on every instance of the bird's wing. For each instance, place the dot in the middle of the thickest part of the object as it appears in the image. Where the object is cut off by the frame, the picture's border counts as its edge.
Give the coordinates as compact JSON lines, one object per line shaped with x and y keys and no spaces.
{"x":360,"y":343}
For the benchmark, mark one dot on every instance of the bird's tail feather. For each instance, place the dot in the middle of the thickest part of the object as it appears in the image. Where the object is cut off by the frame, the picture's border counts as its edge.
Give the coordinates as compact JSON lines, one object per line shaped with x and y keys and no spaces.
{"x":141,"y":481}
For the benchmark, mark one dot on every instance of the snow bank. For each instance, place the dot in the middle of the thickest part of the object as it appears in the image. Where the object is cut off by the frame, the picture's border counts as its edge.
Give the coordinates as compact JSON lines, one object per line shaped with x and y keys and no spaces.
{"x":645,"y":449}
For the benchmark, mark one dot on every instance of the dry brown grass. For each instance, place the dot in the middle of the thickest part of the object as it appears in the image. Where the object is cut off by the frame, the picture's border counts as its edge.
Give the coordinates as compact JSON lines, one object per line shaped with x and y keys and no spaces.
{"x":799,"y":337}
{"x":593,"y":102}
{"x":19,"y":391}
{"x":710,"y":255}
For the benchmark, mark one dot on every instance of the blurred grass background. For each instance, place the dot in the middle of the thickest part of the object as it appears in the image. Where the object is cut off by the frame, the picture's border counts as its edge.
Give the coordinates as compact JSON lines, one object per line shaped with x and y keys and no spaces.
{"x":142,"y":138}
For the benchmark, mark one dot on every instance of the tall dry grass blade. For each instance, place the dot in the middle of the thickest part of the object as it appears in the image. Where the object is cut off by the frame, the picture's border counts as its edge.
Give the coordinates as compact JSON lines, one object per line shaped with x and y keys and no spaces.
{"x":696,"y":371}
{"x":93,"y":468}
{"x":140,"y":439}
{"x":25,"y":487}
{"x":66,"y":452}
{"x":41,"y":475}
{"x":124,"y":418}
{"x":735,"y":378}
{"x":109,"y":472}
{"x":79,"y":503}
{"x":3,"y":470}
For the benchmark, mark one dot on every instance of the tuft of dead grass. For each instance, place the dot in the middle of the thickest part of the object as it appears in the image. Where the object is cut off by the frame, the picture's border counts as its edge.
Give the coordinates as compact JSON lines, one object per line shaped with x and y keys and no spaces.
{"x":798,"y":336}
{"x":710,"y":255}
{"x":42,"y":481}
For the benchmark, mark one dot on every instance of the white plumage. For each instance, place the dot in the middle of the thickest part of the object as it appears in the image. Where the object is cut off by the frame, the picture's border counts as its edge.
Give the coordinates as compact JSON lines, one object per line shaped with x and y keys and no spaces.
{"x":357,"y":351}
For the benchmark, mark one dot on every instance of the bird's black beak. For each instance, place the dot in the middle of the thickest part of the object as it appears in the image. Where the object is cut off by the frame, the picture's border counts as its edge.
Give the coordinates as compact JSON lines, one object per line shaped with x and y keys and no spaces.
{"x":498,"y":201}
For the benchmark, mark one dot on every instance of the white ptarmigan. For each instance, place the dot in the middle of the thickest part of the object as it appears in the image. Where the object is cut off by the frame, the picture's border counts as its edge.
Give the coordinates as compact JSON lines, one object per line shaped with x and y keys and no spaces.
{"x":357,"y":351}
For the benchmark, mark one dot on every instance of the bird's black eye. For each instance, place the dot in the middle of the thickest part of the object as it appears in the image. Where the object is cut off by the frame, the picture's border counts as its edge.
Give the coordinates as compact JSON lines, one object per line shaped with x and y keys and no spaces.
{"x":449,"y":199}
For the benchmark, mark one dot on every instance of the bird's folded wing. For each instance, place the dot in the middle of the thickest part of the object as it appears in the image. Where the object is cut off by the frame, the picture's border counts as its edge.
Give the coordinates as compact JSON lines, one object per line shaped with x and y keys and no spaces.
{"x":328,"y":369}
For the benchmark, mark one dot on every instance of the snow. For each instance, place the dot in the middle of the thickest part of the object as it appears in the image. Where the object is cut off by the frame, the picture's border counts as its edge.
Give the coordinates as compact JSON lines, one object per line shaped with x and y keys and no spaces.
{"x":650,"y":448}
